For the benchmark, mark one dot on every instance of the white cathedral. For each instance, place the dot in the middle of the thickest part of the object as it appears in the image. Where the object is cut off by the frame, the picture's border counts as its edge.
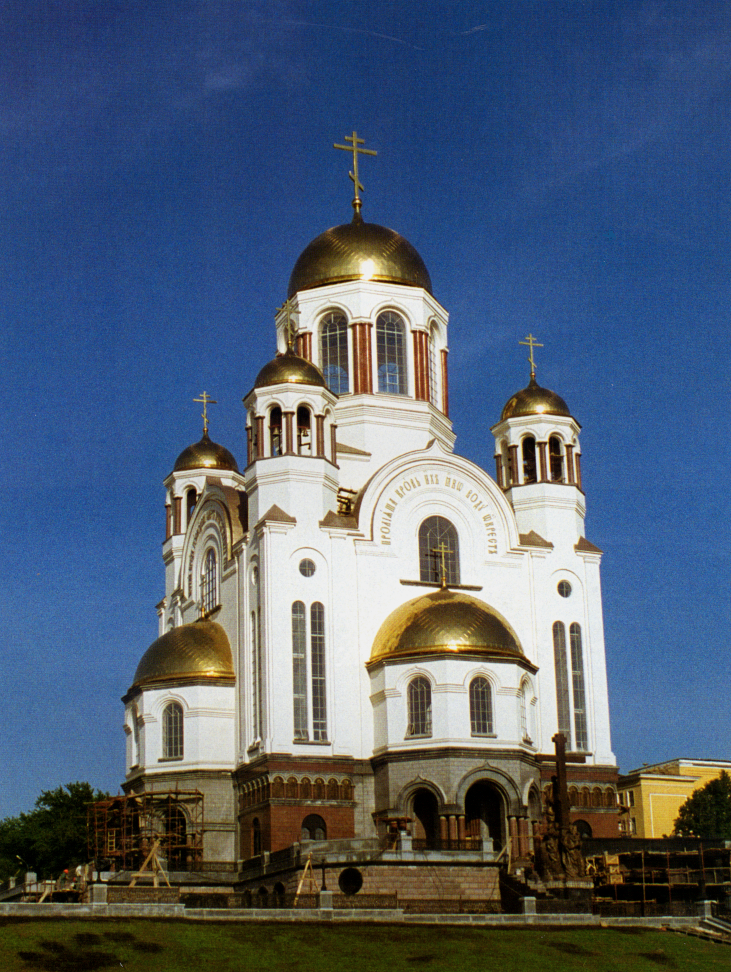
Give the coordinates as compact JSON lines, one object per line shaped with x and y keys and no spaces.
{"x":362,"y":630}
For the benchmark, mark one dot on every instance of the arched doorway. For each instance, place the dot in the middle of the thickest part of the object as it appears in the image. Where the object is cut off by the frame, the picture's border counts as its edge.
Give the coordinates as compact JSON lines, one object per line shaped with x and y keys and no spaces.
{"x":485,"y":813}
{"x":425,"y":811}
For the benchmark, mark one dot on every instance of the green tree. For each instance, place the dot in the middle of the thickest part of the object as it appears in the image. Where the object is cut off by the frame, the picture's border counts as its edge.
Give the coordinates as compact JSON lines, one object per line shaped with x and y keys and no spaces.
{"x":52,"y":836}
{"x":707,"y":812}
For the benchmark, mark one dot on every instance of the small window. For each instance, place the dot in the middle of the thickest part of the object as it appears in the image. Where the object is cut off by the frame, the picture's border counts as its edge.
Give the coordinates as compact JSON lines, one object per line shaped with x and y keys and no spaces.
{"x":480,"y":707}
{"x":438,"y":549}
{"x":555,"y":456}
{"x":255,"y":837}
{"x":191,"y":498}
{"x":529,"y":460}
{"x":419,"y":707}
{"x":307,"y":567}
{"x":210,"y":581}
{"x":275,"y":431}
{"x":391,"y":353}
{"x":313,"y":828}
{"x":304,"y":431}
{"x":172,"y":731}
{"x":564,"y":588}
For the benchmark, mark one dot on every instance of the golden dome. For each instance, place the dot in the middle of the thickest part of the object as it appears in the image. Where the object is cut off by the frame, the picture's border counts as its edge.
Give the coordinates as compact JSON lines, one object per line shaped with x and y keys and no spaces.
{"x":289,"y":367}
{"x":444,"y":621}
{"x":205,"y":455}
{"x":188,"y":653}
{"x":358,"y":251}
{"x":535,"y":400}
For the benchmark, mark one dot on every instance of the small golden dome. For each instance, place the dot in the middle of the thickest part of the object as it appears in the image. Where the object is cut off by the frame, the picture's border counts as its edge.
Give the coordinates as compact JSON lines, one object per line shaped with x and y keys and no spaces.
{"x":289,"y":367}
{"x":444,"y":621}
{"x":535,"y":400}
{"x":191,"y":652}
{"x":205,"y":455}
{"x":358,"y":251}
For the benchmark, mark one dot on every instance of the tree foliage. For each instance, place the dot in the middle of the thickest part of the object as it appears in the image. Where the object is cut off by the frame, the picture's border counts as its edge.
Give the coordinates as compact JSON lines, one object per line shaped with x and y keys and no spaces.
{"x":52,"y":836}
{"x":707,"y":812}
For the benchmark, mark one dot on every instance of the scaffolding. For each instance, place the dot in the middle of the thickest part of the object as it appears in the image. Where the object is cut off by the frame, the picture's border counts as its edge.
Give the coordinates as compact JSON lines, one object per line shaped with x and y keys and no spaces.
{"x":123,"y":829}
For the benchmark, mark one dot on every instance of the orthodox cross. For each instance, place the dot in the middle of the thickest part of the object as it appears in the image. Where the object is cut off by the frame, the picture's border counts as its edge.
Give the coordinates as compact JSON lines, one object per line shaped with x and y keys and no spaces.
{"x":441,"y":551}
{"x":355,"y":148}
{"x":532,"y":343}
{"x":207,"y":400}
{"x":290,"y":328}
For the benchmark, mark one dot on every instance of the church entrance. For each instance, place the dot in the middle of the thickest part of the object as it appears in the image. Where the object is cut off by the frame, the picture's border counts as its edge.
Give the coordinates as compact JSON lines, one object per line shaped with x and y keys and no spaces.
{"x":425,"y":812}
{"x":485,"y":813}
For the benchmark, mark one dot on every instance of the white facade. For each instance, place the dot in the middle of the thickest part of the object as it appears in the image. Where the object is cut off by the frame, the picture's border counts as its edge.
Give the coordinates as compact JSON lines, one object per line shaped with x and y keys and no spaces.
{"x":316,"y":543}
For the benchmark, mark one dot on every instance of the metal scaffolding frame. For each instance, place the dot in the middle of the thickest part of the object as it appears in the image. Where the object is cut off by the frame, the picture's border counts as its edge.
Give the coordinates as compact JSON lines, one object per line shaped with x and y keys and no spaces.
{"x":122,"y":829}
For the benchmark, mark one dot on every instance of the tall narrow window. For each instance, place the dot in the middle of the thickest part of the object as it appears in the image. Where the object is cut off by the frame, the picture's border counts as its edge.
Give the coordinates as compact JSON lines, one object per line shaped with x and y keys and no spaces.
{"x":317,"y":644}
{"x":562,"y":681}
{"x":299,"y":670}
{"x":257,"y":677}
{"x":191,"y":498}
{"x":334,"y":352}
{"x":438,"y":543}
{"x":210,"y":581}
{"x":529,"y":460}
{"x":433,"y":387}
{"x":304,"y":431}
{"x":524,"y":734}
{"x":577,"y":676}
{"x":172,"y":731}
{"x":555,"y":458}
{"x":480,"y":707}
{"x":275,"y":431}
{"x":390,"y":349}
{"x":255,"y":837}
{"x":419,"y":707}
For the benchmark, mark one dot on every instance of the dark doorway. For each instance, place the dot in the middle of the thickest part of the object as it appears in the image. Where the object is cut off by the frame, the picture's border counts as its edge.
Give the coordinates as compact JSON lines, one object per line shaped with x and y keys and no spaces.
{"x":426,"y":816}
{"x":484,"y":813}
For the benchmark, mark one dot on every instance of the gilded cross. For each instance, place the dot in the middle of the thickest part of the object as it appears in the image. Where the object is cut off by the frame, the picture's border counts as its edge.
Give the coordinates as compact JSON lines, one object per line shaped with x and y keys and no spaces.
{"x":441,"y":551}
{"x":532,"y":343}
{"x":355,"y":148}
{"x":207,"y":400}
{"x":290,"y":327}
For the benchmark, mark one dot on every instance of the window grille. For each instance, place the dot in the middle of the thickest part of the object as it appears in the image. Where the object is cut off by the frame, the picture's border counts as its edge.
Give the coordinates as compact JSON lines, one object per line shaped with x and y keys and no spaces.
{"x":210,"y":581}
{"x":391,"y":353}
{"x":555,"y":457}
{"x":299,"y":670}
{"x":172,"y":731}
{"x":317,"y":645}
{"x":577,"y":674}
{"x":433,"y":532}
{"x":419,"y":707}
{"x":480,"y":707}
{"x":334,"y":353}
{"x":563,"y":703}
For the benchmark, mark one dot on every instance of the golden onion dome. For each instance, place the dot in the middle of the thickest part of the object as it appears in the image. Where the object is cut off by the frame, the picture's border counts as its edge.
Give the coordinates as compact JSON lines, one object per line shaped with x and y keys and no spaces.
{"x":358,"y":251}
{"x":205,"y":455}
{"x":534,"y":400}
{"x":444,"y":621}
{"x":191,"y":652}
{"x":289,"y":367}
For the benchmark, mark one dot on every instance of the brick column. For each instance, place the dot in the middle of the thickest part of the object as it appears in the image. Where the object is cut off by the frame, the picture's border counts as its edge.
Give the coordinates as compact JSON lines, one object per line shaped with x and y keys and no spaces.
{"x":499,"y":470}
{"x":514,"y":475}
{"x":168,"y":521}
{"x":444,"y":828}
{"x":421,"y":366}
{"x":514,"y":842}
{"x":177,"y":514}
{"x":320,"y":436}
{"x":460,"y":827}
{"x":445,"y":383}
{"x":543,"y":470}
{"x":288,"y":418}
{"x":570,"y":464}
{"x":362,"y":358}
{"x":334,"y":444}
{"x":452,"y":827}
{"x":259,"y":436}
{"x":577,"y":464}
{"x":249,"y":445}
{"x":303,"y":345}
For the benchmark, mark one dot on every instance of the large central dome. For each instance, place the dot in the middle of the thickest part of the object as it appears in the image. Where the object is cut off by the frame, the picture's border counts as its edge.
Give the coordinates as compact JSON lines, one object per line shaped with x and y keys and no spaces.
{"x":358,"y":251}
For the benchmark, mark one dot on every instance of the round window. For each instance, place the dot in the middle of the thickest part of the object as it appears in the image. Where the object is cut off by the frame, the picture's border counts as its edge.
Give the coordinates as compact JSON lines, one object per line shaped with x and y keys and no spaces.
{"x":564,"y":588}
{"x":350,"y":880}
{"x":307,"y":567}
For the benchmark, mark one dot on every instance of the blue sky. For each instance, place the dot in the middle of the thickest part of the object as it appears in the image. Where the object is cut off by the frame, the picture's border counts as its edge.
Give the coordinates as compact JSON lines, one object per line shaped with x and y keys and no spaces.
{"x":562,"y":167}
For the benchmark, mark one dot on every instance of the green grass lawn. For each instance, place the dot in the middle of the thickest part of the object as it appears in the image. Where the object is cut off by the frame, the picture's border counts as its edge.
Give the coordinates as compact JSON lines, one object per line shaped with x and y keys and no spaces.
{"x":69,"y":945}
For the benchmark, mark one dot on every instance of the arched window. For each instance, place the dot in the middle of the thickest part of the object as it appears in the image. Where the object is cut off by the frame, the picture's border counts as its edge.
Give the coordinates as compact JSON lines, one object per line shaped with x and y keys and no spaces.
{"x":172,"y":731}
{"x":275,"y":431}
{"x":419,"y":707}
{"x":304,"y":431}
{"x":313,"y":828}
{"x":209,"y":581}
{"x":191,"y":498}
{"x":555,"y":459}
{"x":391,"y":353}
{"x":524,"y":734}
{"x":299,"y":670}
{"x":480,"y":707}
{"x":334,"y":352}
{"x":317,"y":651}
{"x":577,"y":676}
{"x":530,"y":474}
{"x":433,"y":532}
{"x":560,"y":663}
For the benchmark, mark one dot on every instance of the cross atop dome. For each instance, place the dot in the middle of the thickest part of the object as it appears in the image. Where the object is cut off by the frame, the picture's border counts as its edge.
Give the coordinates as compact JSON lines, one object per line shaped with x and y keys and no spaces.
{"x":206,"y":399}
{"x":531,"y":342}
{"x":355,"y":148}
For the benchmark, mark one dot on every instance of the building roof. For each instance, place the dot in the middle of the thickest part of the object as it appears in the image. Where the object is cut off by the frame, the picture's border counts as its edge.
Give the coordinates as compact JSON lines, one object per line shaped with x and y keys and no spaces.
{"x":190,"y":652}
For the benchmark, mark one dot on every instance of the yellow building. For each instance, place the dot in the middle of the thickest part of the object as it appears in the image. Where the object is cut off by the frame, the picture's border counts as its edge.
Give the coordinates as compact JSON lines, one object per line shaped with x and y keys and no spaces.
{"x":653,"y":795}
